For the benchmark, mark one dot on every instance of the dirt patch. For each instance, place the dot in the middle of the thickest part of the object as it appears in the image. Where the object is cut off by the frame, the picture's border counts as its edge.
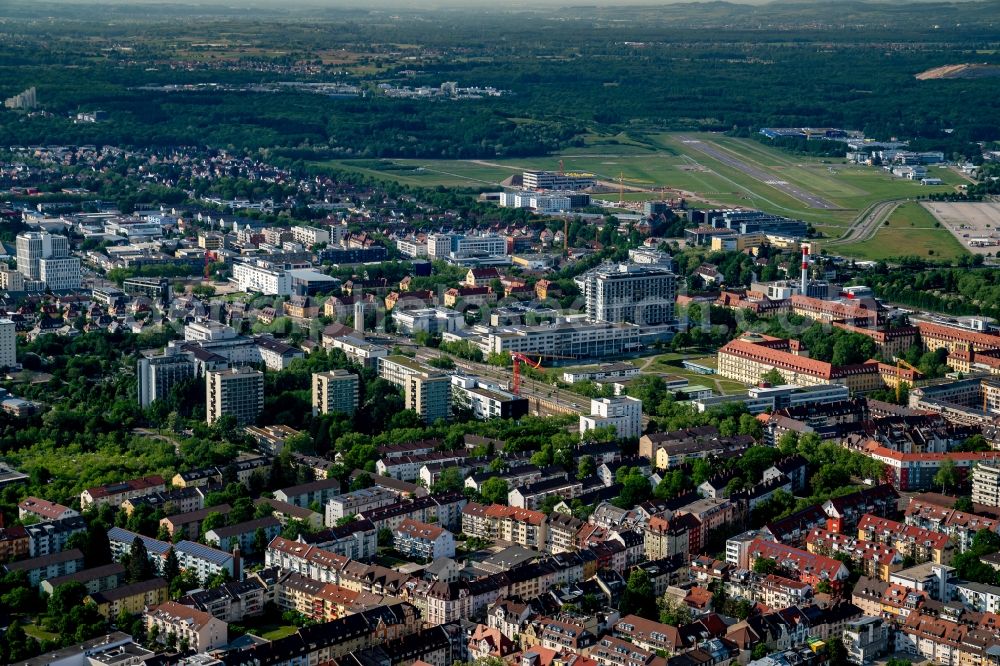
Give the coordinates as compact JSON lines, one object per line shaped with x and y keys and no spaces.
{"x":963,"y":71}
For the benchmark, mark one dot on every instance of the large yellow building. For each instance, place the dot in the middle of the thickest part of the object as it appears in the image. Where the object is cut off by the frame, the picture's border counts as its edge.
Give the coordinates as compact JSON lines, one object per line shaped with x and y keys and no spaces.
{"x":890,"y":342}
{"x":132,"y":599}
{"x":934,"y":336}
{"x":750,"y":357}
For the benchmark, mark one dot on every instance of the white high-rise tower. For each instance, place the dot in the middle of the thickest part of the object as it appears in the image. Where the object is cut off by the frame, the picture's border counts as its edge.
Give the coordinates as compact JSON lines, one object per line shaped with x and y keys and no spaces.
{"x":359,"y":317}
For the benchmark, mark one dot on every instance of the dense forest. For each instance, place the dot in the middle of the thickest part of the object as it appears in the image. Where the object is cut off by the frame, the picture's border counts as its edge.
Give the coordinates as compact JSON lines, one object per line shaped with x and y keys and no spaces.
{"x":642,"y":74}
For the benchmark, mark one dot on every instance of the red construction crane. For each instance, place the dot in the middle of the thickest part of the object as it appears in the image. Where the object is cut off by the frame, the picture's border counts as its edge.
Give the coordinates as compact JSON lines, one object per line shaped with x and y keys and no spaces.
{"x":209,"y":258}
{"x":516,"y":358}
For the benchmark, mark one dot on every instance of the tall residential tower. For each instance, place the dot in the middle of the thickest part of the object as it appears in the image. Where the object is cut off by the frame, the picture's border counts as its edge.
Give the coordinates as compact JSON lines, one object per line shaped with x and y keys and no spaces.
{"x":236,"y":391}
{"x":637,"y":294}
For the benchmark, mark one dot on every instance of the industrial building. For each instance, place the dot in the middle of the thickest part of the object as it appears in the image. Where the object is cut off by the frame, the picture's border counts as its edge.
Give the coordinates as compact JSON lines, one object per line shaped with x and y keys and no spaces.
{"x":552,"y":180}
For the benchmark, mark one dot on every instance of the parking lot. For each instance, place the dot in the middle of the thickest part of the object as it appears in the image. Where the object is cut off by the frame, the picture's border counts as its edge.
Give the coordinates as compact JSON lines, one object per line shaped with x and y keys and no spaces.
{"x":970,"y":222}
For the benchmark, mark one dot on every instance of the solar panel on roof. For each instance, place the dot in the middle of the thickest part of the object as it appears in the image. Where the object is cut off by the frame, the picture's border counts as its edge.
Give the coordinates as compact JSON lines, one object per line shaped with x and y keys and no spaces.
{"x":154,"y":546}
{"x":203,"y":552}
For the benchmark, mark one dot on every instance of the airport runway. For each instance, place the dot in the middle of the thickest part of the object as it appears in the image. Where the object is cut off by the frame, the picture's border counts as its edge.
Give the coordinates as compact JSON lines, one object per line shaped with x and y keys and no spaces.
{"x":729,"y":160}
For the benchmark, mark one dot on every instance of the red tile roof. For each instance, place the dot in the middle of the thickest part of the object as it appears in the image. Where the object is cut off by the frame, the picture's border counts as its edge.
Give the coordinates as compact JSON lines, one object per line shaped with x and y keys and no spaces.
{"x":877,"y":334}
{"x":949,"y":517}
{"x":933,"y":331}
{"x":502,"y":512}
{"x":838,"y":309}
{"x":418,"y":530}
{"x":832,"y":542}
{"x":873,"y":448}
{"x":892,"y":530}
{"x":43,"y":508}
{"x":764,"y":352}
{"x":802,"y":561}
{"x":124,"y":486}
{"x":635,"y":627}
{"x":311,"y":554}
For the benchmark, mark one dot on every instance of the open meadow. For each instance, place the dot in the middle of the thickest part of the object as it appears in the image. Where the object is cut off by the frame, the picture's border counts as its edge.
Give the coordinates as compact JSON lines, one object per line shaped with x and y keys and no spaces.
{"x":910,"y":230}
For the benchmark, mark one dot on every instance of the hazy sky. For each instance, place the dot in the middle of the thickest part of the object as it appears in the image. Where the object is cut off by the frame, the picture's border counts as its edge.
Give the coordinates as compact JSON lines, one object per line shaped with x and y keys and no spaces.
{"x":298,"y":6}
{"x":354,"y":4}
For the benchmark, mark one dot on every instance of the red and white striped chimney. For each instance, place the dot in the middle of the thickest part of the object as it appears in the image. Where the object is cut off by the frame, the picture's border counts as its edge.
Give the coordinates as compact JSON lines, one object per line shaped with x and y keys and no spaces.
{"x":805,"y":268}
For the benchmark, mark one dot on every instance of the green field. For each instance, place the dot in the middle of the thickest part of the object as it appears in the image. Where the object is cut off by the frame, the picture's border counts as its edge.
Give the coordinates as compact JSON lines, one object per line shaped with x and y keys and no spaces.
{"x":40,"y":634}
{"x":671,"y":364}
{"x":272,"y":630}
{"x":912,"y":230}
{"x":662,"y":164}
{"x":427,"y":173}
{"x":852,"y":187}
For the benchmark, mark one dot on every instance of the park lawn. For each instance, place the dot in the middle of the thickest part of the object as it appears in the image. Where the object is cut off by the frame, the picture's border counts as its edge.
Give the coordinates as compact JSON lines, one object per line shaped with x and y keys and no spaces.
{"x":40,"y":634}
{"x":912,"y":231}
{"x":386,"y":560}
{"x":274,"y":632}
{"x":671,"y":364}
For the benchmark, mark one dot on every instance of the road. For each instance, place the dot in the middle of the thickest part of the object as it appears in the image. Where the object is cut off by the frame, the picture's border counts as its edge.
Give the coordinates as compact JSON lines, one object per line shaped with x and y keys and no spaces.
{"x":867,"y":223}
{"x":725,"y":157}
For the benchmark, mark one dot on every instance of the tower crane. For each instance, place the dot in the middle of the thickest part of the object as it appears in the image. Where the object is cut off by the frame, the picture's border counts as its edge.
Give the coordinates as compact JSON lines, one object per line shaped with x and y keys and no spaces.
{"x":208,"y":263}
{"x":621,"y":185}
{"x":517,"y":358}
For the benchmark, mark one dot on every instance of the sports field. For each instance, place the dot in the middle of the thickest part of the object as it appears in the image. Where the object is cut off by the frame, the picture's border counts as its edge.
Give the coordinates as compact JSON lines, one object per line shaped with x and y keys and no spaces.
{"x":709,"y":169}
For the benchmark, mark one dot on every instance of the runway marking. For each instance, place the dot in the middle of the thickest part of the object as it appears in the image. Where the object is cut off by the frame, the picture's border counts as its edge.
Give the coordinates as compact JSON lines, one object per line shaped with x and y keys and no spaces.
{"x":726,"y":157}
